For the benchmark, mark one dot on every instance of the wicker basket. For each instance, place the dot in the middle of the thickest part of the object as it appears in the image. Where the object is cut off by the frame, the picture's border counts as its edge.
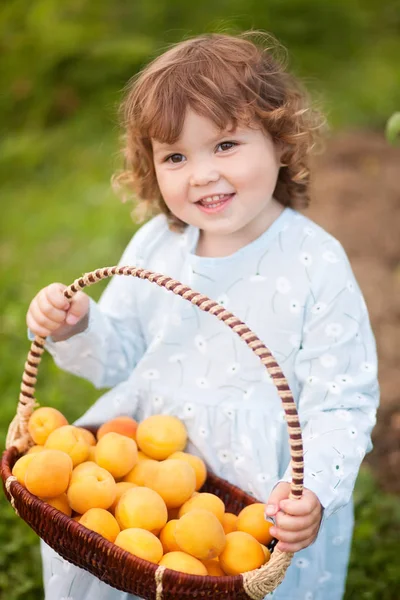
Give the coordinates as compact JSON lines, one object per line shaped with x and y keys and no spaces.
{"x":103,"y":559}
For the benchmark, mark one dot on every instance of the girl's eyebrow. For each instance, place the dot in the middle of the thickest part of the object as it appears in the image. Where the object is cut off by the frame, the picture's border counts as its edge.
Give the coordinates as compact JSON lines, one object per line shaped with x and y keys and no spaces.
{"x":165,"y":146}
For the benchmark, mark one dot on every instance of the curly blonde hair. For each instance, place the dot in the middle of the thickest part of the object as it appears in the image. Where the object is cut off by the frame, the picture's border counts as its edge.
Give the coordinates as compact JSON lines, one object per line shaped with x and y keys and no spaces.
{"x":231,"y":80}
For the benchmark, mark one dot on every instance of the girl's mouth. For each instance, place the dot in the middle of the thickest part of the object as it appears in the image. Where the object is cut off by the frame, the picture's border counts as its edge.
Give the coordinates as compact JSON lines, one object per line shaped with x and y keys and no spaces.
{"x":214,"y":204}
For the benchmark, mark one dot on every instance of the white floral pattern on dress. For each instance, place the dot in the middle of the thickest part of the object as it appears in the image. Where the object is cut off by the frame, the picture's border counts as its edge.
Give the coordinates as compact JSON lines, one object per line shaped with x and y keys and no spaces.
{"x":328,"y":361}
{"x":319,"y":308}
{"x":306,"y":259}
{"x":283,"y":285}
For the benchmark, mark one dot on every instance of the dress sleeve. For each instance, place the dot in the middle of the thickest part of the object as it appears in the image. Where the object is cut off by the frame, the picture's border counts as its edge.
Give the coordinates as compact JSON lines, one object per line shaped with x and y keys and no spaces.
{"x":108,"y":350}
{"x":336,"y":368}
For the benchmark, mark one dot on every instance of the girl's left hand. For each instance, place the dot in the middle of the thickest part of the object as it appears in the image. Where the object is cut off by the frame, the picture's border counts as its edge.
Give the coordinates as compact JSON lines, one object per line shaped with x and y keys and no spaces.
{"x":297,"y":522}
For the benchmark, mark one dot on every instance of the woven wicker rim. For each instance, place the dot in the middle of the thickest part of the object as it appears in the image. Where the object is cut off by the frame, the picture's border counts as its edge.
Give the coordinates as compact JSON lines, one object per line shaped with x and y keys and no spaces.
{"x":256,"y":583}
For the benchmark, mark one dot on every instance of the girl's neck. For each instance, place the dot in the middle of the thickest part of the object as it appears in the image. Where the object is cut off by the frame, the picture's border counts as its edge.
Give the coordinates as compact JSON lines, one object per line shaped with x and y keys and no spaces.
{"x":218,"y":246}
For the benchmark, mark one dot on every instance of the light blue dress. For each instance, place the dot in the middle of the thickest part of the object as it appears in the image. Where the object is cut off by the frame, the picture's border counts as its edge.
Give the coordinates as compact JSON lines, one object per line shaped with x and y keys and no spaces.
{"x":294,"y":287}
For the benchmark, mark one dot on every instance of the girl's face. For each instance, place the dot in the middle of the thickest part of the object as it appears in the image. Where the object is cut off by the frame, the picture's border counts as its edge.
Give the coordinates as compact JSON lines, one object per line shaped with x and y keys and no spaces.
{"x":219,"y":181}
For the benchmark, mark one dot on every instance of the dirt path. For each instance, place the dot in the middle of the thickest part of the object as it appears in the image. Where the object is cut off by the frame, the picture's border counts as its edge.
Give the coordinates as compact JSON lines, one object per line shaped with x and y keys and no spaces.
{"x":356,"y":197}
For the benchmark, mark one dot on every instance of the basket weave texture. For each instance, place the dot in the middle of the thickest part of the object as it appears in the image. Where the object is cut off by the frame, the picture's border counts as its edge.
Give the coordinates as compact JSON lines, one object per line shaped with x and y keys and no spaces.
{"x":92,"y":552}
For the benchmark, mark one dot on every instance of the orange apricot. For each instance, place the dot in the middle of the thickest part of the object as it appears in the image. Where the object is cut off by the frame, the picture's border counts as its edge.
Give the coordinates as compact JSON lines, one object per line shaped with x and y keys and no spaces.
{"x":70,"y":440}
{"x":43,"y":421}
{"x":213,"y":567}
{"x":60,"y":502}
{"x":142,"y":508}
{"x":102,"y":522}
{"x":167,"y":536}
{"x":206,"y":501}
{"x":122,"y":487}
{"x":141,"y":543}
{"x":92,"y":488}
{"x":123,"y":425}
{"x":180,"y":561}
{"x":116,"y":453}
{"x":196,"y":463}
{"x":174,"y":480}
{"x":20,"y":466}
{"x":48,"y":473}
{"x":229,"y":522}
{"x":159,"y":436}
{"x":200,"y":534}
{"x":252,"y":520}
{"x":242,"y":553}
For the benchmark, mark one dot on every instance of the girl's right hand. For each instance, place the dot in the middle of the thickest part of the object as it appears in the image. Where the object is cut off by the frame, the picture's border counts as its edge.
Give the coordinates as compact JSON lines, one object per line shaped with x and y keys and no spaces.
{"x":50,"y":313}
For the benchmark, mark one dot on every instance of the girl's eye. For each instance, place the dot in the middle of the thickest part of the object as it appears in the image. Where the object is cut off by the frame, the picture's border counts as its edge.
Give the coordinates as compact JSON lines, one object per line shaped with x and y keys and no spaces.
{"x":226,"y":146}
{"x":175,"y":158}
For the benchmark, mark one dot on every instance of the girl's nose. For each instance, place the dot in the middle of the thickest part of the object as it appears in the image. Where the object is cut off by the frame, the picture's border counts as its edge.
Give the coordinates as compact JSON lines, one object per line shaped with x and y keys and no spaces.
{"x":203,"y":176}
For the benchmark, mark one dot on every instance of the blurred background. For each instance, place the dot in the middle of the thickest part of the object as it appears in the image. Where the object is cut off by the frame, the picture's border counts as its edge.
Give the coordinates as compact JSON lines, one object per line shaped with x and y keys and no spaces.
{"x":63,"y":66}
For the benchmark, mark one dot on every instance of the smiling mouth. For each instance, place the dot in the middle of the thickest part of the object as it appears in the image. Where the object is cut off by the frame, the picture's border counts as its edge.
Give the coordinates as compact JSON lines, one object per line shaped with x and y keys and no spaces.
{"x":215,"y":201}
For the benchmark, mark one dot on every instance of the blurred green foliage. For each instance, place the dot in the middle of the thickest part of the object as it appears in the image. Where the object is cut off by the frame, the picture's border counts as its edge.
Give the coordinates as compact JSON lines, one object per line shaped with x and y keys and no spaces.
{"x":61,"y":57}
{"x":63,"y":66}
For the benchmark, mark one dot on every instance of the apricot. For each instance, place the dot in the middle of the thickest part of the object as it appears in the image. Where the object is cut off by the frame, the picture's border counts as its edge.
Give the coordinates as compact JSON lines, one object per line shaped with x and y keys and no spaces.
{"x":102,"y":522}
{"x":167,"y":536}
{"x":20,"y":466}
{"x":142,"y":457}
{"x":213,"y":567}
{"x":229,"y":522}
{"x":88,"y":467}
{"x":60,"y":502}
{"x":36,"y":448}
{"x":196,"y":462}
{"x":141,"y":472}
{"x":88,"y":435}
{"x":116,"y":453}
{"x":141,"y":543}
{"x":200,"y":534}
{"x":142,"y":508}
{"x":91,"y":455}
{"x":206,"y":501}
{"x":180,"y":561}
{"x":242,"y":553}
{"x":71,"y":441}
{"x":93,"y":488}
{"x":252,"y":520}
{"x":123,"y":425}
{"x":267,"y":553}
{"x":48,"y":473}
{"x":174,"y":480}
{"x":43,"y":421}
{"x":122,"y":487}
{"x":159,"y":436}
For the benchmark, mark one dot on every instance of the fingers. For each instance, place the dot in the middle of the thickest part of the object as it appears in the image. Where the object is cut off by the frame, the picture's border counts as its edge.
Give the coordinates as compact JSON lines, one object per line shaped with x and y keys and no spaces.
{"x":48,"y":310}
{"x":298,"y":508}
{"x":297,"y":522}
{"x":78,"y":309}
{"x":278,"y":494}
{"x":296,"y":546}
{"x":290,"y":523}
{"x":54,"y":293}
{"x":291,"y":537}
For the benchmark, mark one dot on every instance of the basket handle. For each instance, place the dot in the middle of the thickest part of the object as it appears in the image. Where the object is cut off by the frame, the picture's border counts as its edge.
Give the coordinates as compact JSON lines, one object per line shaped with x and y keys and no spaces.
{"x":18,"y":434}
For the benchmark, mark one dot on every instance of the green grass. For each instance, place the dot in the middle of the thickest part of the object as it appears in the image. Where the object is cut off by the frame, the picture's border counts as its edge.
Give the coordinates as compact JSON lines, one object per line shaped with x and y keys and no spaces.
{"x":60,"y":219}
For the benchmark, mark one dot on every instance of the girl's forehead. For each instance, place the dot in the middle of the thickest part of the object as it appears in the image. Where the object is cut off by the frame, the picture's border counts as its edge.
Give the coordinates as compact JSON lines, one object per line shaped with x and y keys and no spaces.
{"x":197,"y":128}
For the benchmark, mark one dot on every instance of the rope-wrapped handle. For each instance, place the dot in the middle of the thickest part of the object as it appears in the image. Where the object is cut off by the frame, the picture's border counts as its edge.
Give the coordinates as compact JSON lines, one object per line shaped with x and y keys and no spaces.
{"x":18,"y":434}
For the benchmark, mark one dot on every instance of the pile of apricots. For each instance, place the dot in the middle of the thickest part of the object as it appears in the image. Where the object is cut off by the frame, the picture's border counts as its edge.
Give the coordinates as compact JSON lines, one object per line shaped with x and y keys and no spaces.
{"x":134,"y":484}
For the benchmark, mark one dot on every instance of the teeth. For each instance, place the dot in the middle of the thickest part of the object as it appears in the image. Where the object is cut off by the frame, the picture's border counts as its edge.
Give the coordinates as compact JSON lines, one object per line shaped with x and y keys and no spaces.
{"x":213,"y":199}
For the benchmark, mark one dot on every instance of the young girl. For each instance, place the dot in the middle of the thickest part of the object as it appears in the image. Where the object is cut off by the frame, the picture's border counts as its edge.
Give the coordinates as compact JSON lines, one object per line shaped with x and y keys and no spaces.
{"x":218,"y":138}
